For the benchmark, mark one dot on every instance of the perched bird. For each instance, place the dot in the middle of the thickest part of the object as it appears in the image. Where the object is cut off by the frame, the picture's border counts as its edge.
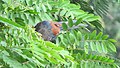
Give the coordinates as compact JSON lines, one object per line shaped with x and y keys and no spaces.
{"x":48,"y":29}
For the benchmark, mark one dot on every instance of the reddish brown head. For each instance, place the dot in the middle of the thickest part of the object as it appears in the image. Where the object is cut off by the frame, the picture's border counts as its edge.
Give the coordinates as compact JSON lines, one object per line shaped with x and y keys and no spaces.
{"x":55,"y":27}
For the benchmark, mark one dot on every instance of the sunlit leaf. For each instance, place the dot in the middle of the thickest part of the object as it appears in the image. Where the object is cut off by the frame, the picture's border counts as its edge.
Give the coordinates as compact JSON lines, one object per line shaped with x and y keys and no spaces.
{"x":112,"y":46}
{"x":112,"y":40}
{"x":44,"y":8}
{"x":78,"y":21}
{"x":5,"y":20}
{"x":70,"y":22}
{"x":86,"y":47}
{"x":64,"y":26}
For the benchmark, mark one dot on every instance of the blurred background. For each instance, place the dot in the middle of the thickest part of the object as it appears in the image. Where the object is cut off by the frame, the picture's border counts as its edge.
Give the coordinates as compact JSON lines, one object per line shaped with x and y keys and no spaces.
{"x":112,"y":24}
{"x":109,"y":11}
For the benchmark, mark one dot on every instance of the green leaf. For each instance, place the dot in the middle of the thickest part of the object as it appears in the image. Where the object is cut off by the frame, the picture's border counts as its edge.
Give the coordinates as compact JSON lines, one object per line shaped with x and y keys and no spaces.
{"x":63,"y":4}
{"x":72,"y":38}
{"x":69,"y":57}
{"x":64,"y":26}
{"x":57,"y":56}
{"x":49,"y":6}
{"x":37,"y":19}
{"x":99,"y":35}
{"x":82,"y":15}
{"x":44,"y":8}
{"x":63,"y":12}
{"x":105,"y":47}
{"x":37,"y":8}
{"x":24,"y":16}
{"x":53,"y":46}
{"x":12,"y":62}
{"x":31,"y":11}
{"x":105,"y":59}
{"x":93,"y":34}
{"x":93,"y":18}
{"x":99,"y":57}
{"x":112,"y":46}
{"x":89,"y":56}
{"x":31,"y":20}
{"x":86,"y":47}
{"x":93,"y":46}
{"x":94,"y":57}
{"x":39,"y":59}
{"x":82,"y":64}
{"x":1,"y":48}
{"x":62,"y":40}
{"x":110,"y":60}
{"x":30,"y":2}
{"x":105,"y":37}
{"x":47,"y":17}
{"x":70,"y":22}
{"x":20,"y":21}
{"x":86,"y":64}
{"x":27,"y":2}
{"x":68,"y":14}
{"x":53,"y":60}
{"x":112,"y":40}
{"x":79,"y":36}
{"x":74,"y":65}
{"x":5,"y":20}
{"x":87,"y":16}
{"x":63,"y":52}
{"x":78,"y":21}
{"x":99,"y":49}
{"x":0,"y":39}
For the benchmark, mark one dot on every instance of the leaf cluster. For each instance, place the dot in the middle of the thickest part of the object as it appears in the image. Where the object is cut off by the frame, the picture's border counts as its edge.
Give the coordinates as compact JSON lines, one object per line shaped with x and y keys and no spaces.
{"x":22,"y":47}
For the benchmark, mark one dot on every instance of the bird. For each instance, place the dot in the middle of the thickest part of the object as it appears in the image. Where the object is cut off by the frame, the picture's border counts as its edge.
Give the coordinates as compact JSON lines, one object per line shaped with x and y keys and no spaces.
{"x":50,"y":29}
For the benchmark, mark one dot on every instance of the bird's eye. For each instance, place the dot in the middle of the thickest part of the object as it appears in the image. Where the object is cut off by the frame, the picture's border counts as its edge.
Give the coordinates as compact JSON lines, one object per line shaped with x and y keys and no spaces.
{"x":57,"y":25}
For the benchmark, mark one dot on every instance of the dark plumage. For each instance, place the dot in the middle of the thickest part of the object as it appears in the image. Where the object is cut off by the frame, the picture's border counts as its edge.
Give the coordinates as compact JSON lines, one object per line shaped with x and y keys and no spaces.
{"x":48,"y":29}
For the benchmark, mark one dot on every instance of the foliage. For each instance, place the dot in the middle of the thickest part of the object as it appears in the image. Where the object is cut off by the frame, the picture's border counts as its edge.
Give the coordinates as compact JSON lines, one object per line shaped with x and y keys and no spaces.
{"x":88,"y":42}
{"x":22,"y":47}
{"x":99,"y":7}
{"x":112,"y":24}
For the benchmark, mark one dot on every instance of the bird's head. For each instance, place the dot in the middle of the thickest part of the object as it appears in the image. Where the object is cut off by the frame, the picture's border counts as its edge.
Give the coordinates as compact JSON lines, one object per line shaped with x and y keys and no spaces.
{"x":56,"y":27}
